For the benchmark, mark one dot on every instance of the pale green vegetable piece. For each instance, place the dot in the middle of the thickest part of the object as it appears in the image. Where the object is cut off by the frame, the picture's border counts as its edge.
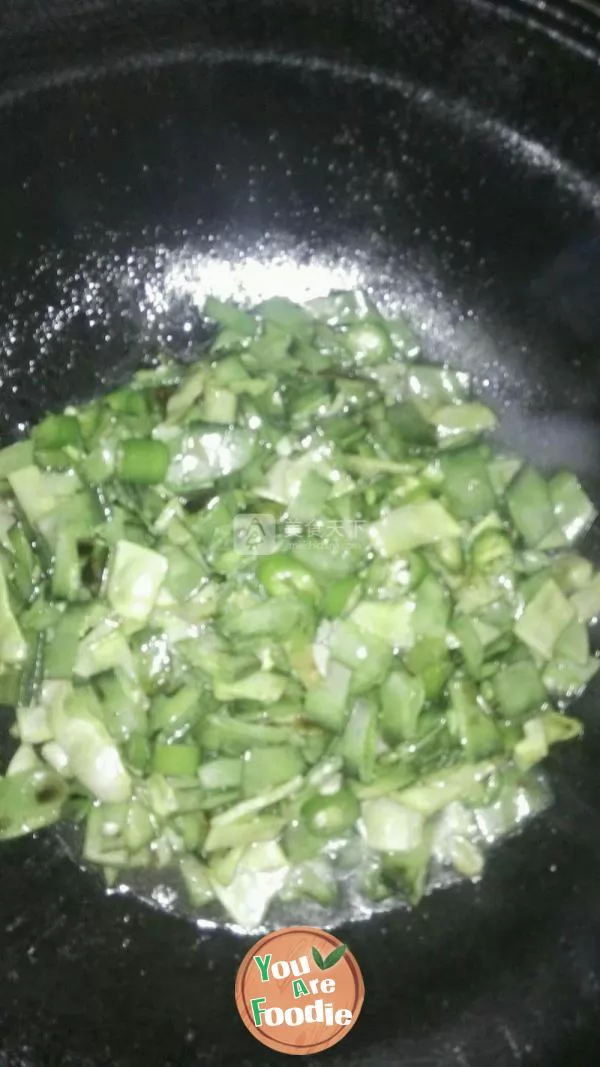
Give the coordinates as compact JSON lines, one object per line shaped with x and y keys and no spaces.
{"x":93,"y":756}
{"x":565,"y":678}
{"x":586,"y":601}
{"x":262,"y":686}
{"x":390,"y":826}
{"x":197,"y":881}
{"x":103,"y":648}
{"x":453,"y":841}
{"x":573,"y":509}
{"x":33,"y":724}
{"x":251,"y":890}
{"x":202,"y":457}
{"x":39,"y":492}
{"x":25,"y":759}
{"x":135,"y":577}
{"x":402,"y":700}
{"x":440,"y":788}
{"x":388,"y":620}
{"x":411,"y":526}
{"x":459,"y":423}
{"x":545,"y":618}
{"x":254,"y":804}
{"x":534,"y":746}
{"x":13,"y":647}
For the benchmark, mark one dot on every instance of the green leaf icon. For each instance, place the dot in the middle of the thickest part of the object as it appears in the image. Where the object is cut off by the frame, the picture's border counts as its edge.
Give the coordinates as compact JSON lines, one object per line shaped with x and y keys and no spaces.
{"x":317,"y":957}
{"x":334,"y":957}
{"x":330,"y":960}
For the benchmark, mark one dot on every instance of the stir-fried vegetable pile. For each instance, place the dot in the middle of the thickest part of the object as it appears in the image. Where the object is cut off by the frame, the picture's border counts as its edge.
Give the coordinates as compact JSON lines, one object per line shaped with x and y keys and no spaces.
{"x":370,"y":669}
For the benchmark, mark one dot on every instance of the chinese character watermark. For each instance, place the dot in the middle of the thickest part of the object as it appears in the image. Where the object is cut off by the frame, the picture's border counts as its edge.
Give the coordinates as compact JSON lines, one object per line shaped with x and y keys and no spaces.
{"x":261,"y":535}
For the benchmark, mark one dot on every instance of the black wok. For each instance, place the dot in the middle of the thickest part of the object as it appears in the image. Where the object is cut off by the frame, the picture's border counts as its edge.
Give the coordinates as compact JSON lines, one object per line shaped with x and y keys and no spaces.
{"x":445,"y":154}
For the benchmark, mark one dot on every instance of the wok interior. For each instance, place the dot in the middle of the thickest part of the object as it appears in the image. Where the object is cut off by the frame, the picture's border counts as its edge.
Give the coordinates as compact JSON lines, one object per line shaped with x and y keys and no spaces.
{"x":127,"y":198}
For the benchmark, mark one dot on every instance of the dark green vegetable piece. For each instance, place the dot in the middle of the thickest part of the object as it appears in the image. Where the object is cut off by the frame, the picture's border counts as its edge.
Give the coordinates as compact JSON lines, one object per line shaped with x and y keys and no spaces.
{"x":30,"y":800}
{"x":56,"y":431}
{"x":281,"y":574}
{"x":332,"y":814}
{"x":143,"y":461}
{"x":519,"y":689}
{"x":530,"y":506}
{"x":467,"y":485}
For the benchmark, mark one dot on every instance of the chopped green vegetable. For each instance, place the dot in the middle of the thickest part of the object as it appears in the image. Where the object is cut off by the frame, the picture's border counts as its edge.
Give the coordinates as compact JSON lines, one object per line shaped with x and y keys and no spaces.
{"x":144,"y":462}
{"x":331,"y":814}
{"x":402,"y":700}
{"x":586,"y":601}
{"x":573,"y":510}
{"x":518,"y":688}
{"x":265,"y":768}
{"x":467,"y":486}
{"x":13,"y":646}
{"x":282,"y":613}
{"x":411,"y":526}
{"x":135,"y":577}
{"x":530,"y":506}
{"x":30,"y":800}
{"x":391,"y":621}
{"x":545,"y":618}
{"x":282,"y":573}
{"x":459,"y":423}
{"x":264,"y":687}
{"x":175,"y":760}
{"x":389,"y":826}
{"x":359,"y":742}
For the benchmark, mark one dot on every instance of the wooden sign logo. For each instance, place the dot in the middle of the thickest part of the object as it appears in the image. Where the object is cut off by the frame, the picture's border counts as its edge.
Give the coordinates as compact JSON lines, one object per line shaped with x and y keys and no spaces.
{"x":299,"y":990}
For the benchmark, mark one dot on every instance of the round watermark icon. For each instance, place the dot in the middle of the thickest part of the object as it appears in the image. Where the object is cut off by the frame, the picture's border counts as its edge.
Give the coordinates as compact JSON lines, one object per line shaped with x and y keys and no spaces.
{"x":299,"y":990}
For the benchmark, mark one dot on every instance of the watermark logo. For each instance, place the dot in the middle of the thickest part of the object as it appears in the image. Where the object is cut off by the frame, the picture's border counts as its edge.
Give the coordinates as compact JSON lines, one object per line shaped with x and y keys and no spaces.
{"x":299,"y":990}
{"x":254,"y":535}
{"x":260,"y":535}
